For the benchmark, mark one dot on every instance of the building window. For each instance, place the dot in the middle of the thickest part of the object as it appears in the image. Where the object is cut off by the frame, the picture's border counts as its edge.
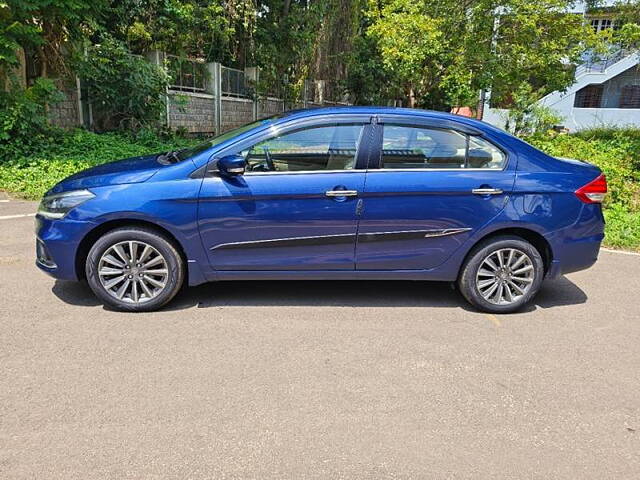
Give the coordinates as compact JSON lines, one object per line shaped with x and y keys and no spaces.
{"x":600,"y":24}
{"x":630,"y":96}
{"x":589,"y":97}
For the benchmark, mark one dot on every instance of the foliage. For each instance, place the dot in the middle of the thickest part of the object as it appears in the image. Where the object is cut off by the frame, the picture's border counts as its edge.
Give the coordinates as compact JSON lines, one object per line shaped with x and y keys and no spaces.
{"x":286,"y":33}
{"x":125,"y":90}
{"x":49,"y":28}
{"x":411,"y":43}
{"x":69,"y":152}
{"x":444,"y":53}
{"x":181,"y":27}
{"x":628,"y":16}
{"x":617,"y":153}
{"x":367,"y":79}
{"x":527,"y":117}
{"x":23,"y":117}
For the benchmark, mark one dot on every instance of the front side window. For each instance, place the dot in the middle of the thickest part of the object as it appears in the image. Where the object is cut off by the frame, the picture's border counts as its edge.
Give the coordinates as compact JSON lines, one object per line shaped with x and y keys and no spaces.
{"x":326,"y":147}
{"x":408,"y":147}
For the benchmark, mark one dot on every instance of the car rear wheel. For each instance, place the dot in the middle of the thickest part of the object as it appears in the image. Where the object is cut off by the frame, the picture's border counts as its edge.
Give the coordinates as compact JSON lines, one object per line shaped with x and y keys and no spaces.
{"x":134,"y":269}
{"x":502,"y":274}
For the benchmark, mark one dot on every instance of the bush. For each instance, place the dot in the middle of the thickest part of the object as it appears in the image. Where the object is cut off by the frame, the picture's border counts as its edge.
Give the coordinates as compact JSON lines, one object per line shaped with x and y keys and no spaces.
{"x":23,"y":117}
{"x":125,"y":90}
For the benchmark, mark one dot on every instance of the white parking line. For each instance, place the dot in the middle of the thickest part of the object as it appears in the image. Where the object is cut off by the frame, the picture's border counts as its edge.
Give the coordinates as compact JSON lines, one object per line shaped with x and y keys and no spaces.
{"x":623,"y":252}
{"x":8,"y":217}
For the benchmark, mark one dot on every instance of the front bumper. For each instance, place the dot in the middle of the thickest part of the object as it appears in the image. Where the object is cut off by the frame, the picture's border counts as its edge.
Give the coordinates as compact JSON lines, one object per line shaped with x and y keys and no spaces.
{"x":57,"y":243}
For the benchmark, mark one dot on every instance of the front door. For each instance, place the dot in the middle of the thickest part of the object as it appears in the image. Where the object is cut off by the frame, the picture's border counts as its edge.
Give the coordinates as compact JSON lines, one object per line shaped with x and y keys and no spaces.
{"x":431,"y":189}
{"x":294,"y":208}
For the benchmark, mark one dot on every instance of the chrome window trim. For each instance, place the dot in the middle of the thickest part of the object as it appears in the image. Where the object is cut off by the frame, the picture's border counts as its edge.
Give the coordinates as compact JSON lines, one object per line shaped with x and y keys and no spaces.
{"x":462,"y":169}
{"x":300,"y":172}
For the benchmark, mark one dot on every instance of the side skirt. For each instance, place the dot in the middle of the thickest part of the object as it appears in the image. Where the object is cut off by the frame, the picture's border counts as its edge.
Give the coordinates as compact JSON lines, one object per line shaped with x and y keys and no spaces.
{"x":333,"y":275}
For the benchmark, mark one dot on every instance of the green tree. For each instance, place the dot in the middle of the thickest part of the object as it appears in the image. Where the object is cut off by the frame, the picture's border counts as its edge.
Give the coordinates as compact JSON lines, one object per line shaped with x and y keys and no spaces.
{"x":441,"y":53}
{"x":199,"y":28}
{"x":50,"y":27}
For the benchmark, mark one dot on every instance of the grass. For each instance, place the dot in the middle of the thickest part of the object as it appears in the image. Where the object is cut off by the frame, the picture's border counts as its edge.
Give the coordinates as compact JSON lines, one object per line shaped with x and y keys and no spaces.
{"x":616,"y":151}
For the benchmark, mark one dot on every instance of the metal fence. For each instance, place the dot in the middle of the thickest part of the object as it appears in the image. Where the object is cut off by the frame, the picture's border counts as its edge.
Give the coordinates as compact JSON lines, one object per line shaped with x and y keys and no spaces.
{"x":234,"y":82}
{"x":599,"y":63}
{"x":187,"y":75}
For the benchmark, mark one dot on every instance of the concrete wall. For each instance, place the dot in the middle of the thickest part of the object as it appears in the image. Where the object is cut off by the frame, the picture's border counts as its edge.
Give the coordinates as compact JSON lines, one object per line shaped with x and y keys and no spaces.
{"x":193,"y":112}
{"x":268,"y":107}
{"x":235,"y":112}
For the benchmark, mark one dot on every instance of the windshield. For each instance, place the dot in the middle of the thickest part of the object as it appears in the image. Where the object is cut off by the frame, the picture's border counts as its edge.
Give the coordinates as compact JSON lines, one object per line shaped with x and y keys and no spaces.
{"x":190,"y":152}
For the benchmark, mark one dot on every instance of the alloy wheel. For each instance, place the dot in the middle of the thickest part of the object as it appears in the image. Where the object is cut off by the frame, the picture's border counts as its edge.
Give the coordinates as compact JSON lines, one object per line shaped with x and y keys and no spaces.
{"x":505,"y":276}
{"x":133,"y":271}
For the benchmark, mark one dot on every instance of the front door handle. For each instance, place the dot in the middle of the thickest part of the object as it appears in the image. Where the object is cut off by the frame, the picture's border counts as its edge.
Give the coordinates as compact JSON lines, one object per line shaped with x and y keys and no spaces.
{"x":486,"y":191}
{"x":341,"y":193}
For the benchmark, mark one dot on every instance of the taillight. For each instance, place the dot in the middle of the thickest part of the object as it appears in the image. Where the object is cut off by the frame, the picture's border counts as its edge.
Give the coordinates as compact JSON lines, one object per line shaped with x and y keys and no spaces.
{"x":594,"y":191}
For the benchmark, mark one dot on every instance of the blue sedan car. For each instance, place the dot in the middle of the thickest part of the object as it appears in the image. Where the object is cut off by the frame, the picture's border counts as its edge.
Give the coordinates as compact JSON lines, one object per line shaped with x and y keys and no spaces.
{"x":339,"y":193}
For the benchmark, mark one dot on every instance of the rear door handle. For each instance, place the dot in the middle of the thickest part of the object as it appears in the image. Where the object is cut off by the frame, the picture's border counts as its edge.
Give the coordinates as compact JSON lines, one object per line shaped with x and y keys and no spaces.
{"x":341,"y":193}
{"x":486,"y":191}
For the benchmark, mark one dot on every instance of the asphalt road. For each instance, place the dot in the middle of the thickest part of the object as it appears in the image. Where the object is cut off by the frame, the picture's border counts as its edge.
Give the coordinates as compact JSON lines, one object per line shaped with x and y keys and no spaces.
{"x":317,"y":379}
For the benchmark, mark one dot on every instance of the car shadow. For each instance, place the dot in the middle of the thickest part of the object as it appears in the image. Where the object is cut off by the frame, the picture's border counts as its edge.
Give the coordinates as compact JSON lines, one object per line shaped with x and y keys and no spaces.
{"x":75,"y":293}
{"x":328,"y":293}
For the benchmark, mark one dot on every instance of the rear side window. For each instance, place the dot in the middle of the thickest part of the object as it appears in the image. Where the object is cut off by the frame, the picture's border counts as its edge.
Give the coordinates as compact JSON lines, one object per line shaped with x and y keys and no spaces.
{"x":483,"y":154}
{"x":407,"y":147}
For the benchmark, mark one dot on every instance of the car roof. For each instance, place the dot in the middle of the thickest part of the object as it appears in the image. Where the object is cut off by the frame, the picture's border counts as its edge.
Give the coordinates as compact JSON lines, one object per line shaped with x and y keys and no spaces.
{"x":370,"y":110}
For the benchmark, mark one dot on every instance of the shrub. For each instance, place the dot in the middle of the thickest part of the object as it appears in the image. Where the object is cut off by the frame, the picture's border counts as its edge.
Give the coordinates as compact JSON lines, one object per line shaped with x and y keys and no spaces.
{"x":125,"y":90}
{"x":23,"y":117}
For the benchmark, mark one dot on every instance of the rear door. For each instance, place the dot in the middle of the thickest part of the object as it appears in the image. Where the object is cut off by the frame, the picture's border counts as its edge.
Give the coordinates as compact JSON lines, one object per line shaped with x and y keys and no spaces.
{"x":430,"y":187}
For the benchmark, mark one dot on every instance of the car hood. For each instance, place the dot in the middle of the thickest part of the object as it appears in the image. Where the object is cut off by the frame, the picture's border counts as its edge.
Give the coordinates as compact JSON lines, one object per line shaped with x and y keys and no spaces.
{"x":129,"y":170}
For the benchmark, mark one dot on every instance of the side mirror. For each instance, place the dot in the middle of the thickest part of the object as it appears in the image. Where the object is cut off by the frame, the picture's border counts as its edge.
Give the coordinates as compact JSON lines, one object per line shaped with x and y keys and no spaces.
{"x":232,"y":165}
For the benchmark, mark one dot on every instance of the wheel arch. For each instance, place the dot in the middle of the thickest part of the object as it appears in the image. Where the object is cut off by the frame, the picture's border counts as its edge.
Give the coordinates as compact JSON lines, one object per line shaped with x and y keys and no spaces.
{"x":92,"y":236}
{"x":534,"y":238}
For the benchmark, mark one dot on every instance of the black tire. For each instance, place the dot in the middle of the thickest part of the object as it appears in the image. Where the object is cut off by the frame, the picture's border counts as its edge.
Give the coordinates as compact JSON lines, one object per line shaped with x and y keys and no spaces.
{"x":467,"y":280}
{"x":175,"y":270}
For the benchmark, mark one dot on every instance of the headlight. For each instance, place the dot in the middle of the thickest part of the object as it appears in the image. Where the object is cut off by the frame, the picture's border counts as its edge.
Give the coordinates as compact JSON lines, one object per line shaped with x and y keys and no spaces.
{"x":58,"y":205}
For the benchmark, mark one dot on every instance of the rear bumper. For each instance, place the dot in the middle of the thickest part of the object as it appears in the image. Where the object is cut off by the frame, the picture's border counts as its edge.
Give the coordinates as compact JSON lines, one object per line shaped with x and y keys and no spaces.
{"x":576,"y":247}
{"x":575,"y":256}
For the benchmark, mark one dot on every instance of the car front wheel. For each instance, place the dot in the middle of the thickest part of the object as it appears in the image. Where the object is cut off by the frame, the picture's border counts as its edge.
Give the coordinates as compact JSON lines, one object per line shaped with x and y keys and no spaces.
{"x":134,"y":269}
{"x":502,"y":274}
